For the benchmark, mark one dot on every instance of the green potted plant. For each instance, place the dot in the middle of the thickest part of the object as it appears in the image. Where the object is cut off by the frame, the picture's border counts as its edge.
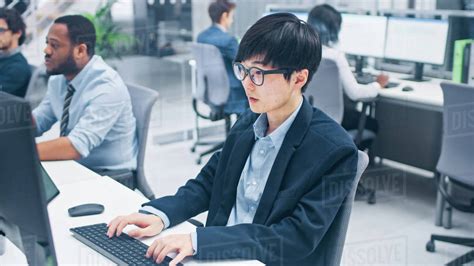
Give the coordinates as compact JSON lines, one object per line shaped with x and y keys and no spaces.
{"x":111,"y":42}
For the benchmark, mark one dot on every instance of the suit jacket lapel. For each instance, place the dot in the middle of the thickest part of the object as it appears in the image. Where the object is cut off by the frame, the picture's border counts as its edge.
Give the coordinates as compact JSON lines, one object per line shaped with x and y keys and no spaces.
{"x":292,"y":140}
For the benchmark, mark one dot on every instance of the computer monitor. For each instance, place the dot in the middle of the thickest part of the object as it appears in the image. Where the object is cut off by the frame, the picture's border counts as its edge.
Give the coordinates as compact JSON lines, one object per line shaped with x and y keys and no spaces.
{"x":23,"y":213}
{"x":422,"y":41}
{"x":362,"y":36}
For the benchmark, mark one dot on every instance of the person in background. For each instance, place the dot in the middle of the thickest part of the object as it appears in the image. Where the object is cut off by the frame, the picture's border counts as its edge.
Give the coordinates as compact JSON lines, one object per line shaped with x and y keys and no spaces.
{"x":15,"y":73}
{"x":89,"y":99}
{"x":222,"y":16}
{"x":326,"y":21}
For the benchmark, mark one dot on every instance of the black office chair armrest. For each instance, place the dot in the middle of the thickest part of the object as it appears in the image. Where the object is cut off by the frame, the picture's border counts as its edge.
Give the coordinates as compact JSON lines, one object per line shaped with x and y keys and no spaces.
{"x":195,"y":222}
{"x":451,"y":200}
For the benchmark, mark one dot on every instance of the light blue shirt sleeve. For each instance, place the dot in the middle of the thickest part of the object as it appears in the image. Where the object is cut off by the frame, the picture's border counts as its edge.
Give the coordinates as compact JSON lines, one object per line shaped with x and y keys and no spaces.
{"x":44,"y":115}
{"x":97,"y":120}
{"x":194,"y":241}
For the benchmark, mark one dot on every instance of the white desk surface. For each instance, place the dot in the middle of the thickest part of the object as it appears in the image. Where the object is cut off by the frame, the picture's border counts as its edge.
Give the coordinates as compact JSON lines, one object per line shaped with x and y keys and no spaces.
{"x":427,"y":92}
{"x":68,"y":172}
{"x":78,"y":185}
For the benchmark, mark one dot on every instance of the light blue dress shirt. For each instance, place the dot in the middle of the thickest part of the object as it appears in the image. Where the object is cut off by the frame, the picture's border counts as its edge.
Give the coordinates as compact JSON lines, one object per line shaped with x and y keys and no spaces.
{"x":101,"y":125}
{"x":254,"y":174}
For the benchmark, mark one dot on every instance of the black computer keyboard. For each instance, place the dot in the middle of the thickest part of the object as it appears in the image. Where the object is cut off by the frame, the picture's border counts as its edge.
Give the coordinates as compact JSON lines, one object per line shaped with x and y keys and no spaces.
{"x":123,"y":250}
{"x":392,"y":85}
{"x":366,"y":78}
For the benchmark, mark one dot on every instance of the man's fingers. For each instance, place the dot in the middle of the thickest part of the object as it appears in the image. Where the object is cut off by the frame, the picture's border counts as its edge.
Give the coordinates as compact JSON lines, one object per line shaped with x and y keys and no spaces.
{"x":178,"y":258}
{"x":113,"y":226}
{"x":151,"y":249}
{"x":159,"y":246}
{"x":167,"y":248}
{"x":121,"y":226}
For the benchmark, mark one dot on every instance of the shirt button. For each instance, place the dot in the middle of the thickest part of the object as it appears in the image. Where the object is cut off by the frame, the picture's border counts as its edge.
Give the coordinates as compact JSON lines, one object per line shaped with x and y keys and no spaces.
{"x":262,"y":151}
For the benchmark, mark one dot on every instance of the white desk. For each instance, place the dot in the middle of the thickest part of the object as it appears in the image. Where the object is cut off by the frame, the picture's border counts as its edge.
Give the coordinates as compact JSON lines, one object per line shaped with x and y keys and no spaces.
{"x":79,"y":185}
{"x":68,"y":172}
{"x":426,"y":93}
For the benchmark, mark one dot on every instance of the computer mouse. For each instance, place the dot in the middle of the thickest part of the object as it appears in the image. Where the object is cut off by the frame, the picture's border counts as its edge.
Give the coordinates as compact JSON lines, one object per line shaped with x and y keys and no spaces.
{"x":407,"y":88}
{"x":85,"y":209}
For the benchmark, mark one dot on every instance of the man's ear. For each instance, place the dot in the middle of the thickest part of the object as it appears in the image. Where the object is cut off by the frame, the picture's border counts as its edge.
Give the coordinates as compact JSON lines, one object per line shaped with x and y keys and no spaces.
{"x":17,"y":35}
{"x":80,"y":51}
{"x":224,"y":15}
{"x":300,"y":77}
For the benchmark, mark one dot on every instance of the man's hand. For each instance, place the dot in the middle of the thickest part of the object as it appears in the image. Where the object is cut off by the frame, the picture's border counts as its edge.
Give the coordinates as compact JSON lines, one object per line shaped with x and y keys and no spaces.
{"x":150,"y":225}
{"x":181,"y":244}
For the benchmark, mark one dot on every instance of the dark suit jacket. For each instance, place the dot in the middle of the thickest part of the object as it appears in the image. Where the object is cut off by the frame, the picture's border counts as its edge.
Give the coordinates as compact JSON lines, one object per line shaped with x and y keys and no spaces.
{"x":312,"y":174}
{"x":228,"y":46}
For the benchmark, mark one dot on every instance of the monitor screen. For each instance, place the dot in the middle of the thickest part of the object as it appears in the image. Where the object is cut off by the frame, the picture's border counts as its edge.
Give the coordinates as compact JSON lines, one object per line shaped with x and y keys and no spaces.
{"x":363,"y":35}
{"x":416,"y":40}
{"x":24,"y":190}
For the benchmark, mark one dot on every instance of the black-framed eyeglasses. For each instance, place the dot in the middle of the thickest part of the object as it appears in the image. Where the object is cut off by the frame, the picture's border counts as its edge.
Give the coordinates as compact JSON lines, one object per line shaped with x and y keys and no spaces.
{"x":257,"y":75}
{"x":2,"y":30}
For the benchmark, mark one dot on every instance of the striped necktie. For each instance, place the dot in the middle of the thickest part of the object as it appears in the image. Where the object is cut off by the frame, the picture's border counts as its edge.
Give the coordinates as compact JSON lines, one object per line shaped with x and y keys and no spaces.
{"x":65,"y":116}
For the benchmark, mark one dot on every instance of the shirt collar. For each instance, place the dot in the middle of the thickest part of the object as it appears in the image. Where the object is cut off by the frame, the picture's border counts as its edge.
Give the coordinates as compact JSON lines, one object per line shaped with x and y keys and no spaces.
{"x":79,"y":78}
{"x":278,"y":135}
{"x":219,"y":26}
{"x":10,"y":53}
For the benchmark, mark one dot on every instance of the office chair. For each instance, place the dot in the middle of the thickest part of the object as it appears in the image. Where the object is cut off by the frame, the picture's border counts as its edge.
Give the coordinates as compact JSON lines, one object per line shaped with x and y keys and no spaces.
{"x":456,"y":163}
{"x":332,"y":244}
{"x":37,"y":86}
{"x":326,"y":93}
{"x":211,"y":87}
{"x":143,"y":100}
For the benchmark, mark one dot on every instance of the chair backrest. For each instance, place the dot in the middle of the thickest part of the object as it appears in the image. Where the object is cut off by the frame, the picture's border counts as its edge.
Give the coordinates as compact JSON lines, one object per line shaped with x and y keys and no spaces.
{"x":37,"y":86}
{"x":213,"y":86}
{"x":325,"y":90}
{"x":143,"y":100}
{"x":457,"y":150}
{"x":331,"y":246}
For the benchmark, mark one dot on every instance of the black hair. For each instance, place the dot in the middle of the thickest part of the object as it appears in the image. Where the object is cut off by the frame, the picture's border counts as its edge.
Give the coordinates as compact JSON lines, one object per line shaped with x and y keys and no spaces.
{"x":283,"y":41}
{"x":326,"y":20}
{"x":219,"y":7}
{"x":15,"y":22}
{"x":80,"y":30}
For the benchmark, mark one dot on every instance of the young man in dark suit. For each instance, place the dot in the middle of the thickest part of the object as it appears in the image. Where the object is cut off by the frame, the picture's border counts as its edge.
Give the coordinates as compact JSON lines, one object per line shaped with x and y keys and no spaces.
{"x":285,"y":169}
{"x":221,"y":13}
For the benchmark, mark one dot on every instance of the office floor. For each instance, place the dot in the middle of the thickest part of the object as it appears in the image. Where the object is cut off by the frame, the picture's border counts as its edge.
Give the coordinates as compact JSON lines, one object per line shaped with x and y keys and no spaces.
{"x":394,"y":231}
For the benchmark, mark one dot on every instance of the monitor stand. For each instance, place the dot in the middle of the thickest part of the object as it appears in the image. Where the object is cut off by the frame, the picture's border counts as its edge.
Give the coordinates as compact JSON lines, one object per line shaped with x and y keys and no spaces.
{"x":418,"y":76}
{"x":360,"y":76}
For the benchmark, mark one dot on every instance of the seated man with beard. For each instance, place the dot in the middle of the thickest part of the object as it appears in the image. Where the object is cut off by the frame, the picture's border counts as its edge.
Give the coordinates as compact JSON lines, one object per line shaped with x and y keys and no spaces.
{"x":88,"y":98}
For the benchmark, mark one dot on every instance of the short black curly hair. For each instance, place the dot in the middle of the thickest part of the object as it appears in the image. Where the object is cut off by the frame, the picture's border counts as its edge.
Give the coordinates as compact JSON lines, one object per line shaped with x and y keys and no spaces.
{"x":14,"y":21}
{"x":80,"y":30}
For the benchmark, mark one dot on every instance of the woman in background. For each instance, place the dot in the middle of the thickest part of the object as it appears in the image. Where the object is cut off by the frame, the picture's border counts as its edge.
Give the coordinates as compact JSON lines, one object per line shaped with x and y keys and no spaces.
{"x":326,"y":20}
